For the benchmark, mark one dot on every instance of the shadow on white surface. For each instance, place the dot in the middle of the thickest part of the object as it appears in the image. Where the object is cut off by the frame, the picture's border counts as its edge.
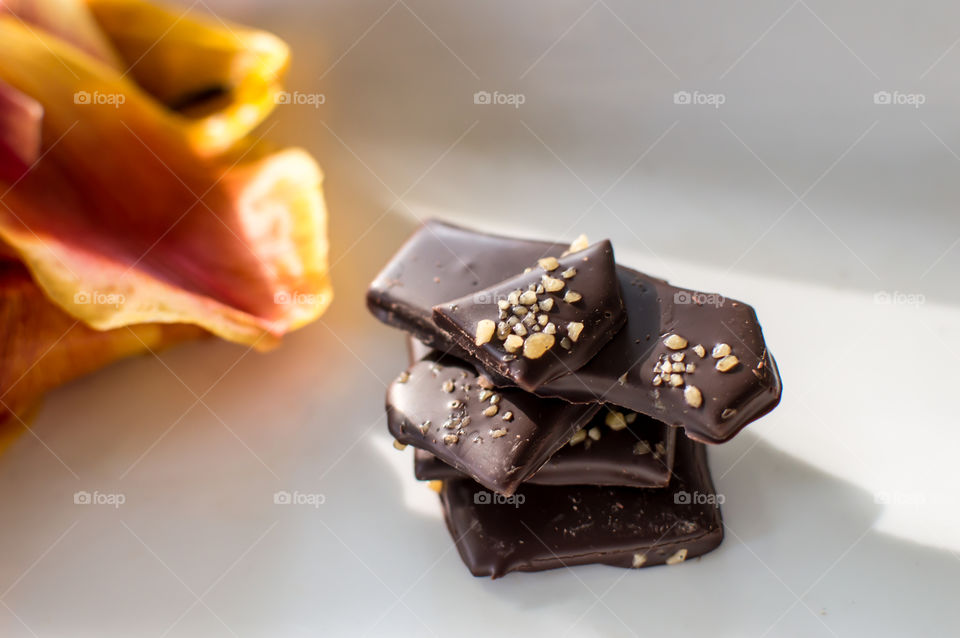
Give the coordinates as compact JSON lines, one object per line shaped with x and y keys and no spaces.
{"x":800,"y":558}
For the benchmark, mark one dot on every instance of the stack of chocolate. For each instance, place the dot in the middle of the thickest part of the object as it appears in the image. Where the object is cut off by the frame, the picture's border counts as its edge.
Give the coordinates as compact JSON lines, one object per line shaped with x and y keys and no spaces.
{"x":545,"y":388}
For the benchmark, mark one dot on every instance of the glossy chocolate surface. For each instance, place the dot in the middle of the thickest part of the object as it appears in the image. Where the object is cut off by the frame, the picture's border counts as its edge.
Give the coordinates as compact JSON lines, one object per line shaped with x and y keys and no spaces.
{"x":499,"y":437}
{"x":589,"y":297}
{"x":545,"y":527}
{"x":442,"y":262}
{"x":642,"y":455}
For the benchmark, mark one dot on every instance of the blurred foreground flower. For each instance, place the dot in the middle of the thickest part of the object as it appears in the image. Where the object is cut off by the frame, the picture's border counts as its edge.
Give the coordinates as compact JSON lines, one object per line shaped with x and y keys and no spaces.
{"x":136,"y":209}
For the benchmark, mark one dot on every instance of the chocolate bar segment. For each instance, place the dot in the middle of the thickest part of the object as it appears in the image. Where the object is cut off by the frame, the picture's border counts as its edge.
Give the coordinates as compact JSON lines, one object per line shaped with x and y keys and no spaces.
{"x":441,"y":262}
{"x":640,"y":454}
{"x":497,"y":437}
{"x":544,"y":323}
{"x":711,"y":395}
{"x":545,"y":527}
{"x":712,"y":403}
{"x":617,"y":449}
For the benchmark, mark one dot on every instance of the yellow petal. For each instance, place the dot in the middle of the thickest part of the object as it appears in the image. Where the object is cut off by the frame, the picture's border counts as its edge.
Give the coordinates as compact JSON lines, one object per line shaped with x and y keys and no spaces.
{"x":68,"y":20}
{"x":228,"y":75}
{"x":122,"y":222}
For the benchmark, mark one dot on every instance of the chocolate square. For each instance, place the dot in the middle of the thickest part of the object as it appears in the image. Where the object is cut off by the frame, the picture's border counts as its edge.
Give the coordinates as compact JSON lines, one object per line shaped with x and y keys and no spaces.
{"x":546,"y":527}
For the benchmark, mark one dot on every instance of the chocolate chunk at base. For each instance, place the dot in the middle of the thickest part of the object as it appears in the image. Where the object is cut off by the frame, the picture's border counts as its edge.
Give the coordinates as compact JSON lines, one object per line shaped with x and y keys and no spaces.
{"x":441,"y":262}
{"x":498,"y":437}
{"x":545,"y":527}
{"x":640,"y":455}
{"x":541,"y":324}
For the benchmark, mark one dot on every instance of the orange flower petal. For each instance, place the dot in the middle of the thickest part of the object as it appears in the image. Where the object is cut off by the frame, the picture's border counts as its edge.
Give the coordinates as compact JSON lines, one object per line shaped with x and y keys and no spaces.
{"x":226,"y":77}
{"x":121,"y":207}
{"x":44,"y":347}
{"x":19,"y":132}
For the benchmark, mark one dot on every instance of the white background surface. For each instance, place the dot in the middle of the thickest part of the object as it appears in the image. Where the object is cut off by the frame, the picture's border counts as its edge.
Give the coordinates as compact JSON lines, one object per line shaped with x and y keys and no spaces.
{"x":798,"y":194}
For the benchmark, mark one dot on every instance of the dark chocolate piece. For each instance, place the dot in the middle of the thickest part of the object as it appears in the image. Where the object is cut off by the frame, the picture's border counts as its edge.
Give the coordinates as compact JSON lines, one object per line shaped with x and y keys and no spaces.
{"x":497,"y":437}
{"x":638,"y":455}
{"x":641,"y":455}
{"x":541,"y":324}
{"x":545,"y":527}
{"x":441,"y":262}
